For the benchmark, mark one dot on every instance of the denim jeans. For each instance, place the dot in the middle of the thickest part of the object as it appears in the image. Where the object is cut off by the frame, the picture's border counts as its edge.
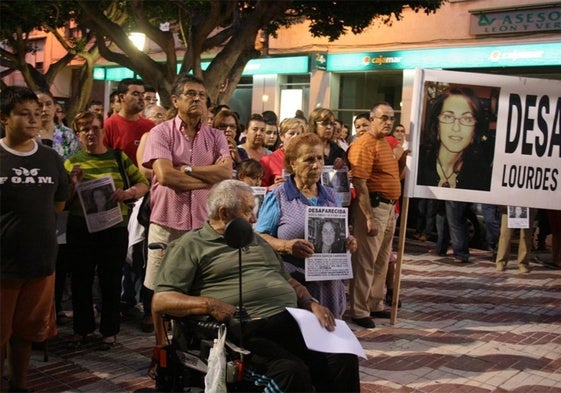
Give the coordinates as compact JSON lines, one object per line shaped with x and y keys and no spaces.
{"x":427,"y":216}
{"x":492,"y":219}
{"x":443,"y":240}
{"x":455,"y":215}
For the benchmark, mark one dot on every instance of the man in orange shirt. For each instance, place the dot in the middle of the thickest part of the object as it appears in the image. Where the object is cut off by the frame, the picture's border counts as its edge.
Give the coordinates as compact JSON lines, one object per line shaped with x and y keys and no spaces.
{"x":376,"y":180}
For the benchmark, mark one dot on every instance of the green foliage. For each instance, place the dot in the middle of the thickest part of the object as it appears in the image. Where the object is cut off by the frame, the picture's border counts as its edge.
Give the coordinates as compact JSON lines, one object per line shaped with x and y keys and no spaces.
{"x":334,"y":18}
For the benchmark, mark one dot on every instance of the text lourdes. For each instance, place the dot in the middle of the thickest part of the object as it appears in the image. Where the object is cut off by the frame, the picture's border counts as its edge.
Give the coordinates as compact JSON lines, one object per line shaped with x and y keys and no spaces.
{"x":532,"y":137}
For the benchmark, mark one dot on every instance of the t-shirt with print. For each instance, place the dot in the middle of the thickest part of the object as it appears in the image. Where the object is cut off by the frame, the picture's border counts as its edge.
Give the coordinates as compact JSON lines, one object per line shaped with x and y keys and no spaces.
{"x":30,"y":184}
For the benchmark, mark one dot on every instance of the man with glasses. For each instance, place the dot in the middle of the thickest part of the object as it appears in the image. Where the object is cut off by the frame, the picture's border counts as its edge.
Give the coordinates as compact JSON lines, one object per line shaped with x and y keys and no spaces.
{"x":150,"y":95}
{"x":187,"y":157}
{"x":156,"y":113}
{"x":376,"y":180}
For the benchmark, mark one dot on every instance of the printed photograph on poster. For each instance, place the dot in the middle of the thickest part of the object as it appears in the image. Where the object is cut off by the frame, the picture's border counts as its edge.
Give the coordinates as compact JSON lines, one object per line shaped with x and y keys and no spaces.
{"x":338,"y":179}
{"x":327,"y":230}
{"x":457,"y":136}
{"x":518,"y":217}
{"x":484,"y":138}
{"x":100,"y":211}
{"x":258,"y":195}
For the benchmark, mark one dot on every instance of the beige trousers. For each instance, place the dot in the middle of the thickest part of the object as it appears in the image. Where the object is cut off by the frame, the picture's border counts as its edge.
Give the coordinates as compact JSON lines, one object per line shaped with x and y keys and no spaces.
{"x":370,"y":261}
{"x":524,"y":247}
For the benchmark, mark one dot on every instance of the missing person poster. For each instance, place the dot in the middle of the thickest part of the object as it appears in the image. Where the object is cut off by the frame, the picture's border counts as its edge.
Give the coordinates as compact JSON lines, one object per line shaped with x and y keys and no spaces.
{"x":100,"y":211}
{"x":327,"y":228}
{"x":485,"y":138}
{"x":338,"y":179}
{"x":258,"y":196}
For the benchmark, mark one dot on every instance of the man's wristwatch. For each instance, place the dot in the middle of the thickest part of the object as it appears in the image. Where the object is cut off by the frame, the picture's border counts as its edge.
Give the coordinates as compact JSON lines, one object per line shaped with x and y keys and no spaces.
{"x":188,"y":169}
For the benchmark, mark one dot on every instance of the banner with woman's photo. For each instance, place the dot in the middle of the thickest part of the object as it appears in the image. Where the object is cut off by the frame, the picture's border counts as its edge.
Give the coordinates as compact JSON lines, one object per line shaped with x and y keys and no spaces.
{"x":485,"y":138}
{"x":327,"y":229}
{"x":100,"y":211}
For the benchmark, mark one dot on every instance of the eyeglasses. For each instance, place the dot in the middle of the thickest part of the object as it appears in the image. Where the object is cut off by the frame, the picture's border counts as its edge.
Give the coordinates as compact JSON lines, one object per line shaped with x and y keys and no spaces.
{"x":86,"y":129}
{"x":224,"y":127}
{"x":326,"y":123}
{"x":465,"y":120}
{"x":385,"y":118}
{"x":192,"y":94}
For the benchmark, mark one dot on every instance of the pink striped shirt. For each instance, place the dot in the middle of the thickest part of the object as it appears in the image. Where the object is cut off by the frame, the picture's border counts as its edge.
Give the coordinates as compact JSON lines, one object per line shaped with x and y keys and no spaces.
{"x":172,"y":209}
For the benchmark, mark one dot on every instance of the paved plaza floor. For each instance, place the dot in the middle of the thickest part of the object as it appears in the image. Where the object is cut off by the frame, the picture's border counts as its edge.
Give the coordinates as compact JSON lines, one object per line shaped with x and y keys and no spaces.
{"x":462,"y":328}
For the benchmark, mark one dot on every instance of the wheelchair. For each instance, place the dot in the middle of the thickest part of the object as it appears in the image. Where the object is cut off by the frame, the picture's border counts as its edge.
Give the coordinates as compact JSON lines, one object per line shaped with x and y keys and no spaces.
{"x":181,"y":365}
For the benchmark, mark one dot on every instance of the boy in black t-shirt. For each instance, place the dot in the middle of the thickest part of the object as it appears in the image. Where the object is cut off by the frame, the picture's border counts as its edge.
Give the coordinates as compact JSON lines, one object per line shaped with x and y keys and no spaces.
{"x":33,"y":187}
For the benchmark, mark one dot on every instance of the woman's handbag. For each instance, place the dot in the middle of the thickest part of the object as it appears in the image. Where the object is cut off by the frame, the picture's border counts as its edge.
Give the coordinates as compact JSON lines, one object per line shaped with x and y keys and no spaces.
{"x":144,"y":211}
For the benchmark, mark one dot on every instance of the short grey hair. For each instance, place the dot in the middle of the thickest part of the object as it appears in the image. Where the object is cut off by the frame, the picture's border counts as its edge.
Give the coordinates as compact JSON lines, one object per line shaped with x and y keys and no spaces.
{"x":226,"y":194}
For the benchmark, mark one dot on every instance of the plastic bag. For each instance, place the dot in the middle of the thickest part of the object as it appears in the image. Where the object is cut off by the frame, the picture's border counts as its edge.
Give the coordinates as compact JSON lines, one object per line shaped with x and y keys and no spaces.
{"x":215,"y":378}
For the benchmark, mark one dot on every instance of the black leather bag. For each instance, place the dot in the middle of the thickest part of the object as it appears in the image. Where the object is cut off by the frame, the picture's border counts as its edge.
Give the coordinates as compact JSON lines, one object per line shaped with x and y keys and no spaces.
{"x":144,"y":211}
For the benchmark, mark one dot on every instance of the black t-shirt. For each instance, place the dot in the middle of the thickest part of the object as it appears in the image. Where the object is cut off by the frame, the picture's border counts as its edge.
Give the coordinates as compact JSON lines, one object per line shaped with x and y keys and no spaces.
{"x":30,"y":183}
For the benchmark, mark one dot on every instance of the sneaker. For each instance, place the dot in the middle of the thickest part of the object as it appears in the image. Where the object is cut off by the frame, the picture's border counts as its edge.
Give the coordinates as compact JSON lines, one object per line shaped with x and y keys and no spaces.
{"x":62,"y":318}
{"x":522,"y":268}
{"x":500,"y":266}
{"x":365,"y":322}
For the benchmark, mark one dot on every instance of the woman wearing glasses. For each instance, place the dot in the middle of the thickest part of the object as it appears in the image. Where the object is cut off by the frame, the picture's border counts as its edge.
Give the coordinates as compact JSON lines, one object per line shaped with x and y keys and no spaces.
{"x":103,"y":251}
{"x":451,"y":155}
{"x":227,"y":121}
{"x":322,"y":122}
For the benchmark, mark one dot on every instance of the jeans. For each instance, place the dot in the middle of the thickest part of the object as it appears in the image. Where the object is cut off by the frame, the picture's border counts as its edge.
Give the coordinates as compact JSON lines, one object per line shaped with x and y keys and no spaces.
{"x":492,"y":219}
{"x":455,"y":214}
{"x":427,"y":216}
{"x":443,"y":240}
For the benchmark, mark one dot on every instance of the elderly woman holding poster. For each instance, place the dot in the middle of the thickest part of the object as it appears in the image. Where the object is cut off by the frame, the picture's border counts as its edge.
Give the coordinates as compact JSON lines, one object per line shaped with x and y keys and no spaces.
{"x":282,"y":217}
{"x":451,"y":155}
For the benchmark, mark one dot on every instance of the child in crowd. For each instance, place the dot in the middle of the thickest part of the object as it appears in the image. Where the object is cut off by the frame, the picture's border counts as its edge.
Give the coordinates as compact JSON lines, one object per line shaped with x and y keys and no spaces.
{"x":250,"y":172}
{"x":33,"y":188}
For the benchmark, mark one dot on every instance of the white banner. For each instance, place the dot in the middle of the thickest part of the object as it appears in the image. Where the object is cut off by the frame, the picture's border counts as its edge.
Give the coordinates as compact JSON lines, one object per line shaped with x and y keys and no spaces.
{"x":485,"y":138}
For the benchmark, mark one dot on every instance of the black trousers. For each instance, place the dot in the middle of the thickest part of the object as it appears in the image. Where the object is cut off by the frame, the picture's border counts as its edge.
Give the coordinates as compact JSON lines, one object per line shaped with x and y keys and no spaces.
{"x":103,"y":252}
{"x":279,"y":352}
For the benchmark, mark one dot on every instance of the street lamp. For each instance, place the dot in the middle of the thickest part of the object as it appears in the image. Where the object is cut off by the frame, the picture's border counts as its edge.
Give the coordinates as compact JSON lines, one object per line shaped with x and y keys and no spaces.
{"x":138,"y":40}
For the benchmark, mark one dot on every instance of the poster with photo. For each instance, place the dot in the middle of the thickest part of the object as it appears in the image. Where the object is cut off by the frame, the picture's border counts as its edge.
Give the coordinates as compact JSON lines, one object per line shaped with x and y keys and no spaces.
{"x":518,"y":217}
{"x":259,"y":195}
{"x":327,"y":228}
{"x":485,"y":138}
{"x":100,"y":211}
{"x":338,"y":179}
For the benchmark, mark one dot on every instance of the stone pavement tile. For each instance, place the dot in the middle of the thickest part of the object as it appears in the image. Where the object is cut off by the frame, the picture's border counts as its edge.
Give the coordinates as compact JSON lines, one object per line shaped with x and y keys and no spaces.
{"x":100,"y":386}
{"x":522,"y":379}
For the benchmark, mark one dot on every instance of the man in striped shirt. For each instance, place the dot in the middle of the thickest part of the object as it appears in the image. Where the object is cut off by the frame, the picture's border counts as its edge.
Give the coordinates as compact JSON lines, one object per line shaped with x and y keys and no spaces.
{"x":376,"y":180}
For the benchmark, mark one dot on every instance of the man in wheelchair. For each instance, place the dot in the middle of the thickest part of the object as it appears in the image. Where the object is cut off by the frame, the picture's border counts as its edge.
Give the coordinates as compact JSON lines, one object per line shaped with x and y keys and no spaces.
{"x":199,"y":276}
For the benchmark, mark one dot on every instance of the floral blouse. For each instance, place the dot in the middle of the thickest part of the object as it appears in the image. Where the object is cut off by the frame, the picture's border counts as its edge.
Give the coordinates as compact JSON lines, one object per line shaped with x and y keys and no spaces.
{"x":65,"y":141}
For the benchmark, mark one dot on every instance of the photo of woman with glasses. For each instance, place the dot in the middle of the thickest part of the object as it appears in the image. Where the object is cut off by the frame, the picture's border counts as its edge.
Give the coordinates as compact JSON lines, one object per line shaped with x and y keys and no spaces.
{"x":452,"y":154}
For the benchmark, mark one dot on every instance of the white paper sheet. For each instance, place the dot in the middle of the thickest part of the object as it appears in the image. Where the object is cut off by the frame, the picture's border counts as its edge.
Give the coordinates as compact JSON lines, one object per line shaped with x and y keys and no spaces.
{"x":317,"y":338}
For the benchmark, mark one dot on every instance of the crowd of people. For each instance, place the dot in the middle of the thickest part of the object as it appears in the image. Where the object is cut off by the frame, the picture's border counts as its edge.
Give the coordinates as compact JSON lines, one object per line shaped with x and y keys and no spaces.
{"x":193,"y":166}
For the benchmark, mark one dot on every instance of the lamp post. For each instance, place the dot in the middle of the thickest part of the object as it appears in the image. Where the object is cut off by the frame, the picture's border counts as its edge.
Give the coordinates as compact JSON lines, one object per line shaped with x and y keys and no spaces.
{"x":138,"y":40}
